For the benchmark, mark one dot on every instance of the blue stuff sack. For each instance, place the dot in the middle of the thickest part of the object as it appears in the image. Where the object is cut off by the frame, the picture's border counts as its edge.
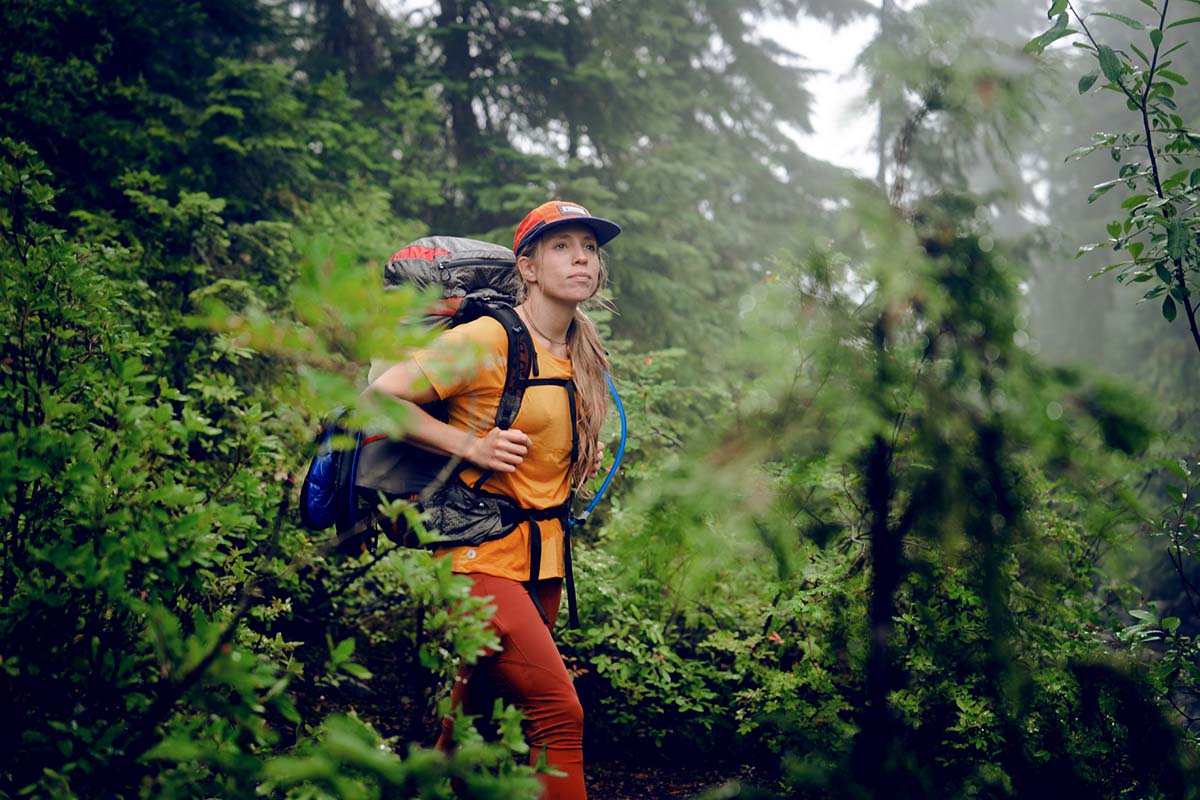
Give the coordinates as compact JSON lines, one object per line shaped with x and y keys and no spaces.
{"x":327,"y":495}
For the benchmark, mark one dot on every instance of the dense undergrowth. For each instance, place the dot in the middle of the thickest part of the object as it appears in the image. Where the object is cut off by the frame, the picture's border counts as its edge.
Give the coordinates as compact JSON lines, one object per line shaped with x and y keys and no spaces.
{"x":864,"y":541}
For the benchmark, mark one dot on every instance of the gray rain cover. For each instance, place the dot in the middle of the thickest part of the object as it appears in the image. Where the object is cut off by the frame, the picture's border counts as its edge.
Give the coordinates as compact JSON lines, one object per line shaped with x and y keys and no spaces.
{"x":459,"y":266}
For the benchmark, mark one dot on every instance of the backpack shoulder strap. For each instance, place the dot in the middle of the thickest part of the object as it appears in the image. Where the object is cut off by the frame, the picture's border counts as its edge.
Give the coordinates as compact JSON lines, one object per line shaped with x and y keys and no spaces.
{"x":522,"y":358}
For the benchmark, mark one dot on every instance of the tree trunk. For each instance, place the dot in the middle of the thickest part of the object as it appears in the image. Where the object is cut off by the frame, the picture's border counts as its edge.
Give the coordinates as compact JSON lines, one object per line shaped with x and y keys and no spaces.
{"x":881,"y":137}
{"x":456,"y":58}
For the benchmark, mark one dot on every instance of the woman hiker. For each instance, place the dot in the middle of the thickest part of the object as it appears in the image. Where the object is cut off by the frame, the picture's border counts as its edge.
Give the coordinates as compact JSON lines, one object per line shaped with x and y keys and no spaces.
{"x":559,"y":263}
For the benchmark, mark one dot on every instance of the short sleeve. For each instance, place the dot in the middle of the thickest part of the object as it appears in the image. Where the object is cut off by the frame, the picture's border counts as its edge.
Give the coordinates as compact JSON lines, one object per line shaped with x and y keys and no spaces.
{"x":465,"y":357}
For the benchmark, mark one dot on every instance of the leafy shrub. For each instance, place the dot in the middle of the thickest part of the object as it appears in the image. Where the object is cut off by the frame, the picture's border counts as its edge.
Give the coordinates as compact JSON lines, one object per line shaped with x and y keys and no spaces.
{"x":880,"y":573}
{"x":152,"y":581}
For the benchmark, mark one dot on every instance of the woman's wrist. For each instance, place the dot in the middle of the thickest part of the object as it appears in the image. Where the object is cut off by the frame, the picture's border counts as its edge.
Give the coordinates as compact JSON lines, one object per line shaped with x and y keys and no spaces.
{"x":468,"y":450}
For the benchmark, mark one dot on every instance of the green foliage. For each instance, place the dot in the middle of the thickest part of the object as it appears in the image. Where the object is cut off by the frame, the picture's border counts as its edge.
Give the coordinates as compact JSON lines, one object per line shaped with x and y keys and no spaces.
{"x":874,"y":540}
{"x":151,"y":579}
{"x":347,"y":759}
{"x":1167,"y":643}
{"x":1157,"y":226}
{"x":947,"y":486}
{"x":125,"y":573}
{"x":731,"y":665}
{"x":881,"y":567}
{"x":1154,"y":227}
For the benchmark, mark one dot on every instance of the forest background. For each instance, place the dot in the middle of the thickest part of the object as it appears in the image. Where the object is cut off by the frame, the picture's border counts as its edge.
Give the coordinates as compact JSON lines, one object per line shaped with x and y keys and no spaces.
{"x":907,"y":509}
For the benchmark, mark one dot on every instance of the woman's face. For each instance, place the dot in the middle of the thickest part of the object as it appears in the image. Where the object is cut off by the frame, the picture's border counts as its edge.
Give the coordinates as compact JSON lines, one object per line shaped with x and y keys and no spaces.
{"x":565,"y":266}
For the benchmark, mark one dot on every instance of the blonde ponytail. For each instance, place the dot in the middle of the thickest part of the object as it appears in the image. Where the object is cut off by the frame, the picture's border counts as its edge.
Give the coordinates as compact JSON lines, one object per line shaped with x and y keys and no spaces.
{"x":590,"y":363}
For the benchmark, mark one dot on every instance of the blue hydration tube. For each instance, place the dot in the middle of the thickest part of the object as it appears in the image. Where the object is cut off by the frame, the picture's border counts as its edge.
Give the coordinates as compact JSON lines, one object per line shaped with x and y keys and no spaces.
{"x":612,"y":471}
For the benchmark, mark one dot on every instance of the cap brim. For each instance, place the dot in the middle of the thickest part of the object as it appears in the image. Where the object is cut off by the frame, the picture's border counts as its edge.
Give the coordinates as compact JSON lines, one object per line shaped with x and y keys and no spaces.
{"x":605,"y":229}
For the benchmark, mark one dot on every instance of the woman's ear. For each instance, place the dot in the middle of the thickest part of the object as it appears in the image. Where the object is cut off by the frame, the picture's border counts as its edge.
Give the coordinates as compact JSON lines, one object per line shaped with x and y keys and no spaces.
{"x":527,"y":269}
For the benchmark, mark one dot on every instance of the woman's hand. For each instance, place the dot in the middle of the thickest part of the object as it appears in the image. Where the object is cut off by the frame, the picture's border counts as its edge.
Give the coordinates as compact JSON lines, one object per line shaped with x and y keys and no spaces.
{"x":498,"y":450}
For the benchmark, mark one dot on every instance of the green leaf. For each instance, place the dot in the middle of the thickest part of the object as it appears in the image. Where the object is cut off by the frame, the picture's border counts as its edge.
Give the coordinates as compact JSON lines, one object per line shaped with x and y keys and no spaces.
{"x":284,"y":704}
{"x":1039,"y":43}
{"x":1135,"y":200}
{"x":131,"y":369}
{"x":1130,"y":21}
{"x":343,"y":651}
{"x":1114,"y":230}
{"x":1180,"y":22}
{"x":1176,"y":466}
{"x":1170,"y":624}
{"x":1087,"y":81}
{"x":1163,"y":273}
{"x":358,"y":671}
{"x":1174,"y":76}
{"x":1156,"y":38}
{"x":1100,"y":189}
{"x":175,"y":748}
{"x":1177,"y":239}
{"x":1110,"y":65}
{"x":1136,"y":248}
{"x":1106,"y":270}
{"x":1168,"y":309}
{"x":1056,"y":8}
{"x":1173,"y":49}
{"x":1175,"y":179}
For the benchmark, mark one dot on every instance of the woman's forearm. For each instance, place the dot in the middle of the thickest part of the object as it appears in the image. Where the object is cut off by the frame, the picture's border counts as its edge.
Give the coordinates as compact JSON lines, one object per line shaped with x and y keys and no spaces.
{"x":499,"y":450}
{"x":406,"y":384}
{"x":430,"y":433}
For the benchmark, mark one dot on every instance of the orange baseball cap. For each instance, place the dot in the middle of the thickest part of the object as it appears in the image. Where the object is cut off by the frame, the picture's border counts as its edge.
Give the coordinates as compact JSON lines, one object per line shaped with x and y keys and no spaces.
{"x":557,"y":213}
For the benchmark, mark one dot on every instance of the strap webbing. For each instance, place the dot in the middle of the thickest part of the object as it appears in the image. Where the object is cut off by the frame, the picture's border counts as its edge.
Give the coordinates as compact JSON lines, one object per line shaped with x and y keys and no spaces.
{"x":535,"y":515}
{"x":568,"y":572}
{"x":521,"y":360}
{"x":574,"y":421}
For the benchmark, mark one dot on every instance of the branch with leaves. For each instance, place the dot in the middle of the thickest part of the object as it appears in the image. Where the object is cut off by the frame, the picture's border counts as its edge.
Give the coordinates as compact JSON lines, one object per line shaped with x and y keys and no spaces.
{"x":1160,"y":228}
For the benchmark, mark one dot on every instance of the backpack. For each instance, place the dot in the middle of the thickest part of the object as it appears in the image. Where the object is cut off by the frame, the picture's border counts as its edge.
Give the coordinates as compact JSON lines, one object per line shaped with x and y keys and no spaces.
{"x":351,"y":472}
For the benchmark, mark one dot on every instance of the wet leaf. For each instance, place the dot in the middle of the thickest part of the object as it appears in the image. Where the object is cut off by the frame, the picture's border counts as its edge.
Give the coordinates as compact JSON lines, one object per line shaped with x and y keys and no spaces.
{"x":1168,"y":309}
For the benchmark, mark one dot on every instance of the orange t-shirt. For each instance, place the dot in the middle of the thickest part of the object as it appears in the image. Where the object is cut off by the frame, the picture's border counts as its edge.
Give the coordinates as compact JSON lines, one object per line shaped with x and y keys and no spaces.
{"x":466,"y":367}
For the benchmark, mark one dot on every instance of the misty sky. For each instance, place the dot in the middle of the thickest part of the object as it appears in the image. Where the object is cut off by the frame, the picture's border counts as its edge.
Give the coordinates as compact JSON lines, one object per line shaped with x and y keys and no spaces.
{"x":842,"y":128}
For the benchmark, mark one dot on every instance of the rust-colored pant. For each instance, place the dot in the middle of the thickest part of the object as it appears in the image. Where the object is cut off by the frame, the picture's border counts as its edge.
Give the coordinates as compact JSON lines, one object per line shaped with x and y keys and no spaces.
{"x":529,"y":673}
